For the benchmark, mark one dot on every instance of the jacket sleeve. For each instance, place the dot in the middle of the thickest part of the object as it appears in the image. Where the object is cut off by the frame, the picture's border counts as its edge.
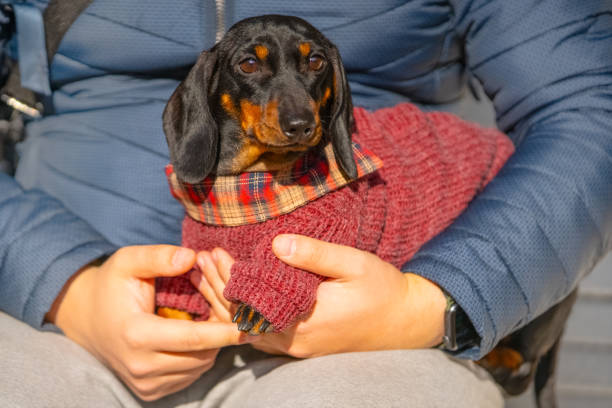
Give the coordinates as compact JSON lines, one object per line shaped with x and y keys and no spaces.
{"x":42,"y":245}
{"x":546,"y":219}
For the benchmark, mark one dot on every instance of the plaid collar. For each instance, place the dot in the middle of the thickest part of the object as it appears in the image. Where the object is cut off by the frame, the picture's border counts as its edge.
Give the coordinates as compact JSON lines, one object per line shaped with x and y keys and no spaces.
{"x":254,"y":197}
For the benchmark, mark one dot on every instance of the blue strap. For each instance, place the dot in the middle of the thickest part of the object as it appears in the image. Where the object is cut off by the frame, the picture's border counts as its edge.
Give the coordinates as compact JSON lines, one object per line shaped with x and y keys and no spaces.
{"x":32,"y":52}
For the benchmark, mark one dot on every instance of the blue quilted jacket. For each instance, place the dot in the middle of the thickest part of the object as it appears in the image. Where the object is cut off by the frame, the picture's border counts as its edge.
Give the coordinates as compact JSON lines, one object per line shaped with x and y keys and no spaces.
{"x":91,"y":177}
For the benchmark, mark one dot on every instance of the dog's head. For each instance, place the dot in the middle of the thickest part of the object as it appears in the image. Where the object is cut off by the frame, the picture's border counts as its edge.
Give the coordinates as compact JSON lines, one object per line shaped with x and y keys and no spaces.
{"x":270,"y":90}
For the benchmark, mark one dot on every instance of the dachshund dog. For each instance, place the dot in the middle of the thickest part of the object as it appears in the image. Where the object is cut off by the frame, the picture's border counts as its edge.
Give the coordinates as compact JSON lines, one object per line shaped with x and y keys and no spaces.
{"x":272,"y":92}
{"x":269,"y":99}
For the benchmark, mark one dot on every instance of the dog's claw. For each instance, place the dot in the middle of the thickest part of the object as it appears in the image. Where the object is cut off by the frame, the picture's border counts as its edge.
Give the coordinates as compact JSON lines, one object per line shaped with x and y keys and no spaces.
{"x":265,"y":326}
{"x":251,"y":321}
{"x":238,"y":315}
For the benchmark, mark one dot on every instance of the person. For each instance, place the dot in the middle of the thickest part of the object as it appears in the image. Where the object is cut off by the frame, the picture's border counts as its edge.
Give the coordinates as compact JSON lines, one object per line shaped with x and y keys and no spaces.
{"x":88,"y":222}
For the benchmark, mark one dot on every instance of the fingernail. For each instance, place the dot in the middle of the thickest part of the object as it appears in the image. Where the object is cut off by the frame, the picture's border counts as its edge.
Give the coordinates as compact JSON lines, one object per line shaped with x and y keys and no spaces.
{"x":284,"y":245}
{"x":214,"y":255}
{"x":182,"y":257}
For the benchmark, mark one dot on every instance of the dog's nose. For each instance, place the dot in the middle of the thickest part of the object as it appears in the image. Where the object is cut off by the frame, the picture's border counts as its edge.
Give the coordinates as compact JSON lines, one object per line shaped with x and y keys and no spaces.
{"x":298,"y":129}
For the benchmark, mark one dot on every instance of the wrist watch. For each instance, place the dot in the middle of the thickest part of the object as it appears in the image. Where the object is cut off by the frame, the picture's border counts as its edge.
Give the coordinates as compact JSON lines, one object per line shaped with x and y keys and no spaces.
{"x":459,"y":332}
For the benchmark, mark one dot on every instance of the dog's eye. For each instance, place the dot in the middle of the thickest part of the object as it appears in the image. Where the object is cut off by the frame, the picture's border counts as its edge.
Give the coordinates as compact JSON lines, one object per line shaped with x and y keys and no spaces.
{"x":249,"y":65}
{"x":315,"y":62}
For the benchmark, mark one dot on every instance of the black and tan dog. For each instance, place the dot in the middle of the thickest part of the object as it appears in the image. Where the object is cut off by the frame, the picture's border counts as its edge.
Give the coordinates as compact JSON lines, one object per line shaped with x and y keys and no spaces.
{"x":274,"y":88}
{"x":271,"y":90}
{"x":268,"y":89}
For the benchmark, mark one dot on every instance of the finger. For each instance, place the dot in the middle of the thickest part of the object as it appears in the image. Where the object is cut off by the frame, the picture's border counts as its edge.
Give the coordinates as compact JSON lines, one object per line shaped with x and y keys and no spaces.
{"x":224,"y":262}
{"x":184,"y":380}
{"x":220,"y":309}
{"x":184,"y":362}
{"x":213,"y":277}
{"x":151,"y":332}
{"x":150,"y":261}
{"x":150,"y":389}
{"x":270,"y":348}
{"x":323,"y":258}
{"x":163,"y":363}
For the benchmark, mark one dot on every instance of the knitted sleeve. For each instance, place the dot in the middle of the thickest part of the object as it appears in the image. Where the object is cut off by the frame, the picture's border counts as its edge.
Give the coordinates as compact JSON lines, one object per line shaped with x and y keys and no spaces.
{"x":281,"y":293}
{"x":546,"y":219}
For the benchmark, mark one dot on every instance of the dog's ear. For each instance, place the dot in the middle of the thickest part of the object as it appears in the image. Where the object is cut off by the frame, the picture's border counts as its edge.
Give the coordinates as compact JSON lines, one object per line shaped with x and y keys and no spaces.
{"x":190,"y":129}
{"x":342,"y":123}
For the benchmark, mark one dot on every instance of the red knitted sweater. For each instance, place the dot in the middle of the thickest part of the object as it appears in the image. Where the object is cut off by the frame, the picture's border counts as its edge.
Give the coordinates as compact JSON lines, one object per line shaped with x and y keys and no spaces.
{"x":434,"y":164}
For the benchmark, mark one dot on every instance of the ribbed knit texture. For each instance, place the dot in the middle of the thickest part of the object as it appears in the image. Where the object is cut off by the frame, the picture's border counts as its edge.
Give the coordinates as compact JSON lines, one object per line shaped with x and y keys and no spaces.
{"x":434,"y":164}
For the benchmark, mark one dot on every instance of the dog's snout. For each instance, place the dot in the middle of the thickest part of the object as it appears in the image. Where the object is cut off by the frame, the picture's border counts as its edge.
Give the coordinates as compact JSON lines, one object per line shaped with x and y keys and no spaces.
{"x":299,"y":127}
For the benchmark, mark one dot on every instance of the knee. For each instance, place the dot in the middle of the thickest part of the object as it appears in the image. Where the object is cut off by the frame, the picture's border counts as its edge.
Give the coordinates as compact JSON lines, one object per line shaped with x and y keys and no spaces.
{"x":397,"y":378}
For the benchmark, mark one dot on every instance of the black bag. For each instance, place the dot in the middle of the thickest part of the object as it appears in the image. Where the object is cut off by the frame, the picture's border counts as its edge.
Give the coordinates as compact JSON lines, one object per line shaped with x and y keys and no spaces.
{"x":18,"y":103}
{"x":10,"y":128}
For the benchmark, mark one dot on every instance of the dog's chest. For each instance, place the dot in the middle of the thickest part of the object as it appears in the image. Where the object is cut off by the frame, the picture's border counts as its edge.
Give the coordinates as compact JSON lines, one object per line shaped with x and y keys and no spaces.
{"x":353,"y":215}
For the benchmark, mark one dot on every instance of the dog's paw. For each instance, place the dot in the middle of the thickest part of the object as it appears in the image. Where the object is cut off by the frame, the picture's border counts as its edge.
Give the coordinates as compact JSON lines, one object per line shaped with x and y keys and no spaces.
{"x":251,"y":321}
{"x":171,"y":313}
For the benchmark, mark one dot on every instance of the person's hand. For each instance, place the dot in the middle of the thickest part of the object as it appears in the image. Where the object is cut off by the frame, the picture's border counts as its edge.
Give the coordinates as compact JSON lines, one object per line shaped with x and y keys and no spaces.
{"x":108,"y":309}
{"x":367,"y":304}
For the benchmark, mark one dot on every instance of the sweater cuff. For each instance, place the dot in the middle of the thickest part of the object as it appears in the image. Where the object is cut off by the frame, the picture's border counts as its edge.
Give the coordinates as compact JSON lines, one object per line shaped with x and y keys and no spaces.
{"x":280,"y":302}
{"x":178,"y":293}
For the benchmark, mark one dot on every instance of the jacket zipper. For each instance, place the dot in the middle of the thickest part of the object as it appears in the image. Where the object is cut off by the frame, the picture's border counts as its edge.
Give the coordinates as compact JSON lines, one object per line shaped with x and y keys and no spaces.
{"x":220,"y":9}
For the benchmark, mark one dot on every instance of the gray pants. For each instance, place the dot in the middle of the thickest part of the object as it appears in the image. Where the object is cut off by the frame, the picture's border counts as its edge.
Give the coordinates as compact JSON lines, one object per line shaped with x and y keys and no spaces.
{"x":42,"y":369}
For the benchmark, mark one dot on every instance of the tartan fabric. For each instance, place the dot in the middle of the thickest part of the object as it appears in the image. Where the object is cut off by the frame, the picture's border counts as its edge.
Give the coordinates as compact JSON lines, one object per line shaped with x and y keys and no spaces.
{"x":255,"y":197}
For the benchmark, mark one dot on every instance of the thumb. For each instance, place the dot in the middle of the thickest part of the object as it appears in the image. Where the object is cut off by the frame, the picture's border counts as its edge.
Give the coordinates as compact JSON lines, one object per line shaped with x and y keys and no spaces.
{"x":320,"y":257}
{"x":151,"y":261}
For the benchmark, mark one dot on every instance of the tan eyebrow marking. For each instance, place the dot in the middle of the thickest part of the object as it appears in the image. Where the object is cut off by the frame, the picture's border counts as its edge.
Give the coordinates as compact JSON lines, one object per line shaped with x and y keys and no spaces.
{"x":304,"y":48}
{"x":261,"y":51}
